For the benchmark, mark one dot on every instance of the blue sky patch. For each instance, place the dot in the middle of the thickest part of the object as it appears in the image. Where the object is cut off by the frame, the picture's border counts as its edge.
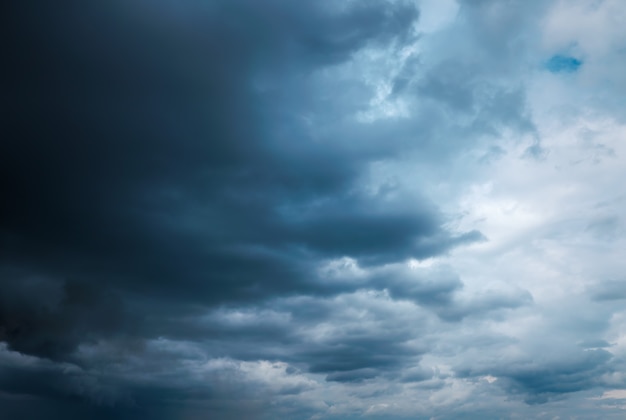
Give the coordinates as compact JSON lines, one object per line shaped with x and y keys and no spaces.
{"x":563,"y":64}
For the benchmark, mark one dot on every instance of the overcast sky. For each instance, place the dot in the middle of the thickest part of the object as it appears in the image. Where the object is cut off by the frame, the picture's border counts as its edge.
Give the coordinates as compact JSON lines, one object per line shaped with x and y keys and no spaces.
{"x":324,"y":210}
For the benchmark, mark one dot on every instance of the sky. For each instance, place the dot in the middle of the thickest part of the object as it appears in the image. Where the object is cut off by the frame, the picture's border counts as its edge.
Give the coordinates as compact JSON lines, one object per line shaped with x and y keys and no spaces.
{"x":313,"y":210}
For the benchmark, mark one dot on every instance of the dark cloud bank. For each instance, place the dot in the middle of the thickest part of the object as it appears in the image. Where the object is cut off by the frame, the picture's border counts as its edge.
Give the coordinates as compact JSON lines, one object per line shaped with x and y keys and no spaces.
{"x":158,"y":174}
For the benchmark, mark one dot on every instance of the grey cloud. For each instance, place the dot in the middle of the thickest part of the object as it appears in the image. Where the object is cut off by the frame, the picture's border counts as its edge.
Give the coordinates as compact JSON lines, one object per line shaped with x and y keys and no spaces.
{"x":597,"y":343}
{"x":358,"y":356}
{"x":353,"y":375}
{"x":543,"y":382}
{"x":606,"y":228}
{"x":138,"y":156}
{"x":30,"y":377}
{"x":144,"y":161}
{"x":484,"y":303}
{"x":543,"y":379}
{"x":418,"y":374}
{"x":353,"y":340}
{"x":469,"y":79}
{"x":463,"y":87}
{"x":38,"y":389}
{"x":608,"y":290}
{"x":208,"y":163}
{"x":285,"y":329}
{"x":441,"y":290}
{"x":427,"y":287}
{"x":49,"y":318}
{"x":177,"y":177}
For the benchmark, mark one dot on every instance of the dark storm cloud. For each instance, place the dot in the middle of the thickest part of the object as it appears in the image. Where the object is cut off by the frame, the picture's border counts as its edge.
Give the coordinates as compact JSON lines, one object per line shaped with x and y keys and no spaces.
{"x":50,"y":382}
{"x":138,"y":153}
{"x":49,"y":318}
{"x":180,"y":170}
{"x":35,"y":388}
{"x":138,"y":149}
{"x":142,"y":164}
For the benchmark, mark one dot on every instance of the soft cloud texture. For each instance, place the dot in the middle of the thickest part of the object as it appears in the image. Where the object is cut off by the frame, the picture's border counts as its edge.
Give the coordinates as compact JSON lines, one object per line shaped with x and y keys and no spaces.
{"x":313,"y":210}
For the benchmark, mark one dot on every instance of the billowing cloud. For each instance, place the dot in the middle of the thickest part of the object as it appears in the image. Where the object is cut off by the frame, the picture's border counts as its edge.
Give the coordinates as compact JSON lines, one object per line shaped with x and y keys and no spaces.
{"x":312,"y":210}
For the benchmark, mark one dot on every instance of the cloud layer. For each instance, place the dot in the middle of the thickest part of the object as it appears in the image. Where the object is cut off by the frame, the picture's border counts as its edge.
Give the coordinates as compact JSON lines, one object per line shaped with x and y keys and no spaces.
{"x":312,"y":210}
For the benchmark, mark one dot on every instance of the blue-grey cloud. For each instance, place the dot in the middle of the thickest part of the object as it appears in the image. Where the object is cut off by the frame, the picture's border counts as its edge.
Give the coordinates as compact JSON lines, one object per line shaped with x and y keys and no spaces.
{"x":539,"y":381}
{"x":240,"y":209}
